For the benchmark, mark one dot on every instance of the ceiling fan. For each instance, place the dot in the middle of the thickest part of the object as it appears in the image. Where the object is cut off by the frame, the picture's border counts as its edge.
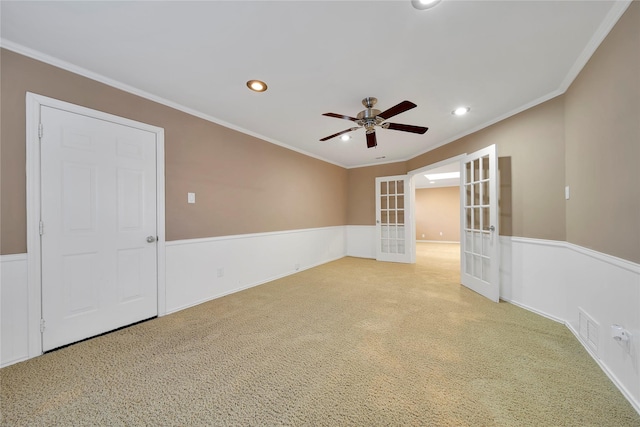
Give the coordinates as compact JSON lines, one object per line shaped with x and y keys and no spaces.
{"x":371,"y":117}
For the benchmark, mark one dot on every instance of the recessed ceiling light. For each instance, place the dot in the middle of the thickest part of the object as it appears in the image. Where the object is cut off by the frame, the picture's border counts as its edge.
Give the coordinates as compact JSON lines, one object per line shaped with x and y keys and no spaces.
{"x":424,"y":4}
{"x":345,"y":137}
{"x":446,"y":175}
{"x":257,"y":85}
{"x":461,"y":111}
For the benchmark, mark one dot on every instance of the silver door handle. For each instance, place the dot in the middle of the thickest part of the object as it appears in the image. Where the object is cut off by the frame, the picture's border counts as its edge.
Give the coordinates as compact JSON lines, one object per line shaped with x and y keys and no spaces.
{"x":151,"y":239}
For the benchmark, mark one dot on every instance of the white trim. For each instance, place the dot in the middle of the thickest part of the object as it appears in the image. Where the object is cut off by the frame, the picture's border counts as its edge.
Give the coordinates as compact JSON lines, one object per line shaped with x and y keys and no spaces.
{"x":600,"y":256}
{"x":31,"y":53}
{"x":13,"y":257}
{"x":13,"y":309}
{"x":246,"y":236}
{"x":455,"y":159}
{"x":200,"y":270}
{"x":250,"y":285}
{"x":618,"y":9}
{"x":34,"y":102}
{"x":614,"y":379}
{"x":534,"y":310}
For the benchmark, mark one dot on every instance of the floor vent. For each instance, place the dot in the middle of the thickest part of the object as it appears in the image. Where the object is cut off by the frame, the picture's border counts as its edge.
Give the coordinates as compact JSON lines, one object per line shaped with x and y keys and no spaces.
{"x":589,"y":330}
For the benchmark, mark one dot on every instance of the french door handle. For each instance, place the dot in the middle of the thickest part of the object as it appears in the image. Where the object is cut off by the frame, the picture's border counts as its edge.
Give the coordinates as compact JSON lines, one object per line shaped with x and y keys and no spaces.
{"x":151,"y":239}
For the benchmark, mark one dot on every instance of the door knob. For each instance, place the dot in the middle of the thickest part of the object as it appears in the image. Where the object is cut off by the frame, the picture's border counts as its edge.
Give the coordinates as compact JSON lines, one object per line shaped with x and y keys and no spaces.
{"x":151,"y":239}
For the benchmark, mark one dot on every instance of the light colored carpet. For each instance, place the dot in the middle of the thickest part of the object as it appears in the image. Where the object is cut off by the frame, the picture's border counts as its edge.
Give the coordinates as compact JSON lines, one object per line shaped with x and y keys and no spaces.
{"x":352,"y":342}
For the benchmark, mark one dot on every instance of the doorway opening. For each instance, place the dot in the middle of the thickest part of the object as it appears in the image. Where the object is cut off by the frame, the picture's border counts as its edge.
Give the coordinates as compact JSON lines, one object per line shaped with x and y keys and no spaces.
{"x":437,"y":213}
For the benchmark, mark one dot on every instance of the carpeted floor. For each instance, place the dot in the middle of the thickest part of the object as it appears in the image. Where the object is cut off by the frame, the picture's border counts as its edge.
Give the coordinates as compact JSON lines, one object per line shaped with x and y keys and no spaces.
{"x":352,"y":342}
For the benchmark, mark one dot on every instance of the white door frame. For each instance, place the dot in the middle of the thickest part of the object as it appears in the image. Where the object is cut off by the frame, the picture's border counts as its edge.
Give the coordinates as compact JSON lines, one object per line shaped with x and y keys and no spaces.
{"x":424,"y":169}
{"x":34,"y":283}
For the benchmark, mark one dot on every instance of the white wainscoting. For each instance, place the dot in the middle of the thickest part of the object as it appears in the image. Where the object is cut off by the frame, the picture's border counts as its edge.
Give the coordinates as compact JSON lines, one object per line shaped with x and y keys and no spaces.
{"x":559,"y":279}
{"x":551,"y":278}
{"x":361,"y":241}
{"x":198,"y":270}
{"x":14,"y":316}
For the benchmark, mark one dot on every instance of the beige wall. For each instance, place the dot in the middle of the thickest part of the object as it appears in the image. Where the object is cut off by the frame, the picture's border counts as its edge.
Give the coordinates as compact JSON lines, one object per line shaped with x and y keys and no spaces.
{"x":588,"y":138}
{"x":531,"y":150}
{"x":531,"y":160}
{"x":362,"y":191}
{"x":437,"y":211}
{"x":603,"y":145}
{"x":242,"y":184}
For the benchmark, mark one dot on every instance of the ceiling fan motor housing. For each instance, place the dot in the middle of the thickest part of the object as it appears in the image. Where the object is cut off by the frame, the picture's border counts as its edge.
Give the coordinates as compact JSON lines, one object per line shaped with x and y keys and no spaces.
{"x":369,"y":117}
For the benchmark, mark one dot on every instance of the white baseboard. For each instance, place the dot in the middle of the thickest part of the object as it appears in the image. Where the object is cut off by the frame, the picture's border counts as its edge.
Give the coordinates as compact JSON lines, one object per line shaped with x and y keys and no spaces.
{"x":554,"y":279}
{"x":199,"y":270}
{"x":558,"y":280}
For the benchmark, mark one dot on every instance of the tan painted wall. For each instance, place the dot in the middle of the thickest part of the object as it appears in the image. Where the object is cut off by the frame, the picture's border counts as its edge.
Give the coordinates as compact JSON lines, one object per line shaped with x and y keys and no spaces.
{"x":242,"y":184}
{"x":438,"y":211}
{"x":531,"y":160}
{"x":362,"y":191}
{"x":603,"y":145}
{"x":588,"y":138}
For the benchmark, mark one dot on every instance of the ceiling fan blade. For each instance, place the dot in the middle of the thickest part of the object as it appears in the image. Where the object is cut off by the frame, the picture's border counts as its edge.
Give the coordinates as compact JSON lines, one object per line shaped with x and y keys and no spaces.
{"x":397,"y":109}
{"x":405,"y":128}
{"x":339,"y":133}
{"x":340,"y":116}
{"x":371,"y":140}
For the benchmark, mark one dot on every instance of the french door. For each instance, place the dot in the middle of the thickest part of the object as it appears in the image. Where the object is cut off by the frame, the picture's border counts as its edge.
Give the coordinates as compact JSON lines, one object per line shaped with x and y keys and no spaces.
{"x":480,"y":253}
{"x":394,"y":219}
{"x":98,"y":226}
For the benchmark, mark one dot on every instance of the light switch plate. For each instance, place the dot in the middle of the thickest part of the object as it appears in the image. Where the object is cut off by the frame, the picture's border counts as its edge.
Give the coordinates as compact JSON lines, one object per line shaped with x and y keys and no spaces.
{"x":566,"y":192}
{"x":191,"y":197}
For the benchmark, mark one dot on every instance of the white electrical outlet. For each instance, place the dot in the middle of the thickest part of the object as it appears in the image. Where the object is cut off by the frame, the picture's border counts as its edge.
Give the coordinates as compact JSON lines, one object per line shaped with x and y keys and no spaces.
{"x":191,"y":197}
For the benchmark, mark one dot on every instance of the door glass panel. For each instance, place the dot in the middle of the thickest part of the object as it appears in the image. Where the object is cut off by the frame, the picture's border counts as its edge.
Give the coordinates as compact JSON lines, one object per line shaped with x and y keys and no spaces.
{"x":485,"y":193}
{"x":485,"y":219}
{"x":392,"y":217}
{"x":384,"y":218}
{"x":400,"y":217}
{"x":476,"y":218}
{"x":485,"y":168}
{"x":400,"y":186}
{"x":383,"y":202}
{"x":383,"y":188}
{"x":392,"y":187}
{"x":476,"y":194}
{"x":400,"y":202}
{"x":392,"y":202}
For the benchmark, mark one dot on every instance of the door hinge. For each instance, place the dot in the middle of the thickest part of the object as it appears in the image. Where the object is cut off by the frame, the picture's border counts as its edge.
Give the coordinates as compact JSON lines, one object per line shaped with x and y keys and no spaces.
{"x":40,"y":130}
{"x":41,"y":228}
{"x":41,"y":325}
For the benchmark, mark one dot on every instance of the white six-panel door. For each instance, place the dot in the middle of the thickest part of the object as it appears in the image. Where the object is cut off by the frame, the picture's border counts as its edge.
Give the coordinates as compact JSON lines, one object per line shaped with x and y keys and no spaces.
{"x":99,"y":227}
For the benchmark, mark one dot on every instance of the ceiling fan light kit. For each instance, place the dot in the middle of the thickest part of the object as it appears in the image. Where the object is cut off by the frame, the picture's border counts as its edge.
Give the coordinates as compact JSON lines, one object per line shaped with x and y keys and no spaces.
{"x":372,"y":117}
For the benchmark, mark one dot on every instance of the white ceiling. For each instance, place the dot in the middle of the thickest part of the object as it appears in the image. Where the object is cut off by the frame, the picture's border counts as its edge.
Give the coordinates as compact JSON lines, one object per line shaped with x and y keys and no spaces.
{"x":497,"y":57}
